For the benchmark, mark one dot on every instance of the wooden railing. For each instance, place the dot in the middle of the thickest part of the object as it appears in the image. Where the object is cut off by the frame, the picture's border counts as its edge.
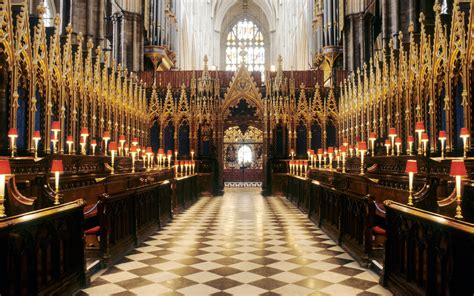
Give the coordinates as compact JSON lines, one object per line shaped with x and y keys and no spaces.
{"x":426,"y":253}
{"x":129,"y":217}
{"x":346,"y":217}
{"x":185,"y":192}
{"x":42,"y":252}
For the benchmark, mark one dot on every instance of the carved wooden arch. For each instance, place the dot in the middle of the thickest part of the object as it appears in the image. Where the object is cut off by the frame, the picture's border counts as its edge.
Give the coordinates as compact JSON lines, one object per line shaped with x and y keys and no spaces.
{"x":242,"y":86}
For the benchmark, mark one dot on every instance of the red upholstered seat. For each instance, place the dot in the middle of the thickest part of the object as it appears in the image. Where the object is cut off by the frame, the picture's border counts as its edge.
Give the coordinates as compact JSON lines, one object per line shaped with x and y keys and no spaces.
{"x":93,"y":230}
{"x":378,"y":230}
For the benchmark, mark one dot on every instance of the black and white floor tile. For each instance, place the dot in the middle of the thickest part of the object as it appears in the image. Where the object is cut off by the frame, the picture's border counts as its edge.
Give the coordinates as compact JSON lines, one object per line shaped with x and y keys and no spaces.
{"x":238,"y":244}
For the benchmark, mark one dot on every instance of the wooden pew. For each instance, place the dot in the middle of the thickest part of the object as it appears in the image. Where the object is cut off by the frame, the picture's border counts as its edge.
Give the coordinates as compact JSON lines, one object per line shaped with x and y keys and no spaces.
{"x":184,"y":192}
{"x":42,"y":252}
{"x":427,"y":253}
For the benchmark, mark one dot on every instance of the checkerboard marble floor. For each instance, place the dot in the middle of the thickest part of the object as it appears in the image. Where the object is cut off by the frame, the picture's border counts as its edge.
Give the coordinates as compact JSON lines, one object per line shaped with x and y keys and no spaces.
{"x":238,"y":244}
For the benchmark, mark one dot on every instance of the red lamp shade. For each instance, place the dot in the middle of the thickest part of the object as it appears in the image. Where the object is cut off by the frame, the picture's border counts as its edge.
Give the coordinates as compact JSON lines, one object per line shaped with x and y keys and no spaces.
{"x":57,"y":166}
{"x":113,"y":146}
{"x":442,"y":135}
{"x":133,"y":149}
{"x":4,"y":167}
{"x":458,"y":168}
{"x":330,"y":150}
{"x":392,"y":131}
{"x":345,"y":141}
{"x":464,"y":132}
{"x":36,"y":135}
{"x":362,"y":146}
{"x":387,"y":142}
{"x":93,"y":142}
{"x":424,"y":137}
{"x":320,"y":151}
{"x":125,"y":146}
{"x":106,"y":135}
{"x":84,"y":131}
{"x":55,"y":126}
{"x":134,"y":141}
{"x":81,"y":141}
{"x":411,"y":166}
{"x":398,"y":141}
{"x":13,"y":132}
{"x":170,"y":152}
{"x":410,"y":139}
{"x":419,"y":126}
{"x":343,"y":149}
{"x":148,"y":150}
{"x":122,"y":139}
{"x":69,"y":139}
{"x":372,"y":136}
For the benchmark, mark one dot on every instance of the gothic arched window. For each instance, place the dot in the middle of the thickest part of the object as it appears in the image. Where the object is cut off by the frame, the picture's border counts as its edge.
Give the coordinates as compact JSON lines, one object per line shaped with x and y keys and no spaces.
{"x":245,"y":36}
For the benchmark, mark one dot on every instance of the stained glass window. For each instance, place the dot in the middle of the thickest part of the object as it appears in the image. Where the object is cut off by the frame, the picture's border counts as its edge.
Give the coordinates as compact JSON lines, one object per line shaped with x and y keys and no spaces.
{"x":245,"y":40}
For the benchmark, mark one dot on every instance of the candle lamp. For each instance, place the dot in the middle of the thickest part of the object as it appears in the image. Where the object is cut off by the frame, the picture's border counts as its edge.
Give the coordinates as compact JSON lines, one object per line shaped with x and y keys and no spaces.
{"x":330,"y":152}
{"x":458,"y":170}
{"x":336,"y":153}
{"x":122,"y":141}
{"x":372,"y":138}
{"x":149,"y":154}
{"x":419,"y":129}
{"x":351,"y":150}
{"x":442,"y":138}
{"x":176,"y":164}
{"x":13,"y":134}
{"x":84,"y":135}
{"x":181,"y":165}
{"x":93,"y":145}
{"x":133,"y":153}
{"x":343,"y":152}
{"x":398,"y":143}
{"x":345,"y":142}
{"x":175,"y":155}
{"x":55,"y":128}
{"x":290,"y":167}
{"x":138,"y":151}
{"x":161,"y":153}
{"x":387,"y":145}
{"x":57,"y":168}
{"x":411,"y":169}
{"x":144,"y":157}
{"x":36,"y":139}
{"x":306,"y":168}
{"x":192,"y":154}
{"x":464,"y":134}
{"x":320,"y":156}
{"x":69,"y":142}
{"x":106,"y":138}
{"x":325,"y":154}
{"x":292,"y":153}
{"x":169,"y":154}
{"x":392,"y":134}
{"x":113,"y":149}
{"x":82,"y":143}
{"x":135,"y":141}
{"x":300,"y":167}
{"x":425,"y":139}
{"x":410,"y":141}
{"x":4,"y":170}
{"x":362,"y":149}
{"x":126,"y":148}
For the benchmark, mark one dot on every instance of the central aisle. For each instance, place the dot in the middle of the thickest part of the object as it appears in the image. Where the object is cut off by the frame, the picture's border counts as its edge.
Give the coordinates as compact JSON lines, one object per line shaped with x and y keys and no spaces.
{"x":242,"y":244}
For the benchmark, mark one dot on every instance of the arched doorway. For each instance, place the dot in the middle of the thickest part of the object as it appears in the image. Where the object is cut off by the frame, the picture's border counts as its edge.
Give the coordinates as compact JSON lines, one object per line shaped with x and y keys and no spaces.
{"x":241,"y":127}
